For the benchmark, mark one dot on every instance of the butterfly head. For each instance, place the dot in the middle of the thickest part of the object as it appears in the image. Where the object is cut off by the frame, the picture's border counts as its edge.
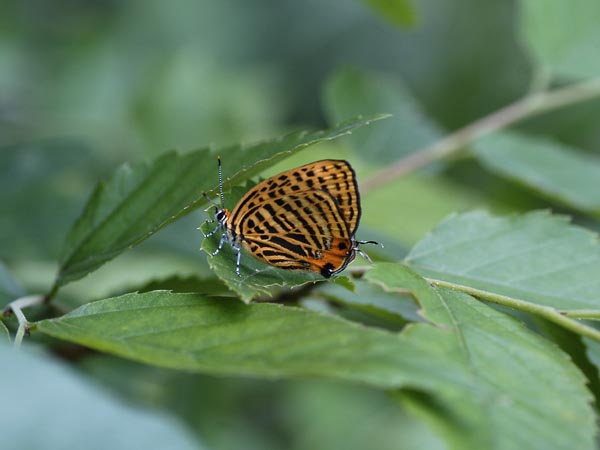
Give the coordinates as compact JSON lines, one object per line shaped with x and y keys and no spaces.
{"x":221,"y":216}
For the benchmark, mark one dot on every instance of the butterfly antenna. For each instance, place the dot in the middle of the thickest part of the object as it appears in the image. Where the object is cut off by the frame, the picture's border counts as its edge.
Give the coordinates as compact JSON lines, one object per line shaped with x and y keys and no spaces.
{"x":363,"y":254}
{"x":221,"y":183}
{"x":370,"y":242}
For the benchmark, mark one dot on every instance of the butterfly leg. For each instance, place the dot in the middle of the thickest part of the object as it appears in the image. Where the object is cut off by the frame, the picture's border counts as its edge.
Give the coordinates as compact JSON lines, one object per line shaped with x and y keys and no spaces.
{"x":237,"y":262}
{"x":363,"y":254}
{"x":210,"y":233}
{"x":220,"y":246}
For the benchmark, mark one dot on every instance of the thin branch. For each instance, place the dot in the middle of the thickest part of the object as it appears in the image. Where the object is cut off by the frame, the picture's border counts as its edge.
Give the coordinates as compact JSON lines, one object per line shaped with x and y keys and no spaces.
{"x":546,"y":312}
{"x":524,"y":108}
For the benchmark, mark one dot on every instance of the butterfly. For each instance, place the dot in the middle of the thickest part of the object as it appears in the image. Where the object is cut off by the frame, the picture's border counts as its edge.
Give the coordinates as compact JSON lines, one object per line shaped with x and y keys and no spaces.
{"x":301,"y":219}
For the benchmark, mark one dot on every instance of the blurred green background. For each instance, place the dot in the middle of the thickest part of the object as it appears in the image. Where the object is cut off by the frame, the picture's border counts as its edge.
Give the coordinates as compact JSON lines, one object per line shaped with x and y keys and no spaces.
{"x":87,"y":85}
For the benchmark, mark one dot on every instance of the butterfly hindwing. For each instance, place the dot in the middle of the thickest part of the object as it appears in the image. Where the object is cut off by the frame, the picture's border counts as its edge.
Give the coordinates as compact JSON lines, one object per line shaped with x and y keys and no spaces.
{"x":336,"y":177}
{"x":301,"y":219}
{"x":304,"y":231}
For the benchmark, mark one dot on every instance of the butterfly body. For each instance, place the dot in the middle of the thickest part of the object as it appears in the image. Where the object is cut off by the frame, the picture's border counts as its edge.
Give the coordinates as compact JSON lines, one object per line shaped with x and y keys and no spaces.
{"x":301,"y":219}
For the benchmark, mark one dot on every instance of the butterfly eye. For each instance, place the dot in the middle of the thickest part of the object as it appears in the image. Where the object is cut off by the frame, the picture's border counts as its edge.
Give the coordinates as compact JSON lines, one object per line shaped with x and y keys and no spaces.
{"x":220,"y":215}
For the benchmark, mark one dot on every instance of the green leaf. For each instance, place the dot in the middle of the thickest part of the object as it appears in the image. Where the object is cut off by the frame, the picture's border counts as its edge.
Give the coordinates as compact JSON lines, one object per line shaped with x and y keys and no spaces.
{"x":516,"y":377}
{"x":129,"y":207}
{"x":563,"y":37}
{"x":220,"y":336}
{"x":537,"y":257}
{"x":555,"y":170}
{"x":216,"y":336}
{"x":350,"y":92}
{"x":9,"y":288}
{"x":139,"y":200}
{"x":67,"y":412}
{"x":398,"y":12}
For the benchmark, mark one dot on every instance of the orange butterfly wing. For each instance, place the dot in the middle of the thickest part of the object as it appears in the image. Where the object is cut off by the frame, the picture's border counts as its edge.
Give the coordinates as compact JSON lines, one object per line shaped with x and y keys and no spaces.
{"x":333,"y":176}
{"x":301,"y":219}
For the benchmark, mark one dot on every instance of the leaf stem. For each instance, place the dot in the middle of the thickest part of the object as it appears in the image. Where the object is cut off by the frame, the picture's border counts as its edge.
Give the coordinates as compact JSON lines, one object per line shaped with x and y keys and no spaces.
{"x":590,"y":314}
{"x":530,"y":105}
{"x":17,"y":307}
{"x":547,"y":312}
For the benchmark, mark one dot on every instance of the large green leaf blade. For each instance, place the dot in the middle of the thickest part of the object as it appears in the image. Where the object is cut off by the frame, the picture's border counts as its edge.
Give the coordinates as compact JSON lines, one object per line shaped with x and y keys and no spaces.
{"x":512,"y":371}
{"x":535,"y":257}
{"x":555,"y":170}
{"x":217,"y":336}
{"x":139,"y":200}
{"x":192,"y":332}
{"x":130,"y":206}
{"x":66,"y":412}
{"x":563,"y":37}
